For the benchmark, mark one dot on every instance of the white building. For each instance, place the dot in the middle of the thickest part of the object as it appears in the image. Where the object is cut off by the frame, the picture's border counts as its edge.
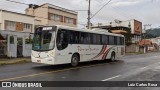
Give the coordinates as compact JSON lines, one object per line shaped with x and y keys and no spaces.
{"x":14,"y":21}
{"x":119,"y":26}
{"x":156,"y":40}
{"x":16,"y":30}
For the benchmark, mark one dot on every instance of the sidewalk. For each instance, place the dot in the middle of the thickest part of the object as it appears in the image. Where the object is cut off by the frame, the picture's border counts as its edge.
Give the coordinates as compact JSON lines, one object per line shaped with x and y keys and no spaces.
{"x":135,"y":53}
{"x":8,"y":61}
{"x":138,"y":53}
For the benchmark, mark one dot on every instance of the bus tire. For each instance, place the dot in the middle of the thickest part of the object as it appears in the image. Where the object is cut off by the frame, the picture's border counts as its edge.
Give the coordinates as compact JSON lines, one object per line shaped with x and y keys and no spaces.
{"x":112,"y":59}
{"x":74,"y":60}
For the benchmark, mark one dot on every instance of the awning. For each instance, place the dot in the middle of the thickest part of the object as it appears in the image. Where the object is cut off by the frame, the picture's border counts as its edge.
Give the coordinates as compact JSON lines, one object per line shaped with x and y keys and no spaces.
{"x":118,"y":31}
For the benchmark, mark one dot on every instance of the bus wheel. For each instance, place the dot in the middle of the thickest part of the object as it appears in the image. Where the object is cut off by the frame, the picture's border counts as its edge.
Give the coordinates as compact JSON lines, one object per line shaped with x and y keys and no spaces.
{"x":112,"y":57}
{"x":74,"y":60}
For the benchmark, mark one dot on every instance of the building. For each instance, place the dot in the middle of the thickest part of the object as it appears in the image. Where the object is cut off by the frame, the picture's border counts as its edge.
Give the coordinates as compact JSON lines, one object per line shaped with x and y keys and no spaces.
{"x":14,"y":21}
{"x":131,"y":29}
{"x":121,"y":27}
{"x":48,"y":14}
{"x":16,"y":29}
{"x":156,"y":40}
{"x":152,"y":44}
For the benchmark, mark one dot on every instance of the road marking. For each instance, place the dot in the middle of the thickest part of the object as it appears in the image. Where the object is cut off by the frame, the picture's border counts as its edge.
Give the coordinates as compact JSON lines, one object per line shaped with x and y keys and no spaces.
{"x":154,"y":64}
{"x":32,"y":75}
{"x":111,"y":78}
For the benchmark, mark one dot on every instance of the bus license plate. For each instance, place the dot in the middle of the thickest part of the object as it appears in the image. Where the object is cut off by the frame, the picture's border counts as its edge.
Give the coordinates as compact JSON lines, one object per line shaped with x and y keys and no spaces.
{"x":38,"y":61}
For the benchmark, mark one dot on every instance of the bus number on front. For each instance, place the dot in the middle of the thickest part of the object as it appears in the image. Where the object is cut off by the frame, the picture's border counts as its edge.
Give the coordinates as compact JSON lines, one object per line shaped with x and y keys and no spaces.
{"x":47,"y":28}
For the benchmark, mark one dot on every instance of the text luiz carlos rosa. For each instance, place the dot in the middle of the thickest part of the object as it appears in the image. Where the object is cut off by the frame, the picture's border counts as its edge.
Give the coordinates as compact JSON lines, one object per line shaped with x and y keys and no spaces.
{"x":142,"y":84}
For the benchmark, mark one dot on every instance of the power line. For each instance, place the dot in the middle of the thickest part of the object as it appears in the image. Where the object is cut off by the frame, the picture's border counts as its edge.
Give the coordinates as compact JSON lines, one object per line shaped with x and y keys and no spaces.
{"x":33,"y":4}
{"x":101,"y":8}
{"x":79,"y":10}
{"x":17,"y":2}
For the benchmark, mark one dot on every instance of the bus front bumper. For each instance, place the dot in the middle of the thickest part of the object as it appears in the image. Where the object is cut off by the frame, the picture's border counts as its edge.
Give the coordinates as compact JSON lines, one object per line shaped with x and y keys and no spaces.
{"x":43,"y":60}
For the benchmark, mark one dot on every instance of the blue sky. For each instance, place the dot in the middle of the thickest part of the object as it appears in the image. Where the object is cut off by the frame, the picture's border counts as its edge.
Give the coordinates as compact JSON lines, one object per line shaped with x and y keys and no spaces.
{"x":146,"y":11}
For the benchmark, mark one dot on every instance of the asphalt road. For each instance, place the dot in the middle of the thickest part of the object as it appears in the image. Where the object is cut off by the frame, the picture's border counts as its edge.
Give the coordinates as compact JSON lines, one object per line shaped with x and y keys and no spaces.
{"x":144,"y":67}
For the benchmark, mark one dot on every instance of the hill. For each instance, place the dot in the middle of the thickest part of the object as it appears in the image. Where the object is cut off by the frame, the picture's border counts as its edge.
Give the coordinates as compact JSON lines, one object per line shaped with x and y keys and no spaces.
{"x":152,"y":33}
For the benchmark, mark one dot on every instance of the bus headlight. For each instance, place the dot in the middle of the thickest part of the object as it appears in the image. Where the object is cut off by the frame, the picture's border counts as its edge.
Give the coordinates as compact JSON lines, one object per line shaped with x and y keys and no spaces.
{"x":52,"y":54}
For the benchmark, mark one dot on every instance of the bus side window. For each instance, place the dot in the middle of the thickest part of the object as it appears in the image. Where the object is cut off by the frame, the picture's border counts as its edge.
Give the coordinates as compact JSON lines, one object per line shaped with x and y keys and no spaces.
{"x":62,"y":39}
{"x":74,"y":37}
{"x":118,"y":41}
{"x":94,"y":38}
{"x":115,"y":40}
{"x":98,"y":39}
{"x":105,"y":39}
{"x":85,"y":38}
{"x":122,"y":40}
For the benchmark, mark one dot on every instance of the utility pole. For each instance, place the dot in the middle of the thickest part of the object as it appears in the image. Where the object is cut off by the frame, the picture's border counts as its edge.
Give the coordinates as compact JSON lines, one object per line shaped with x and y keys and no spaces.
{"x":89,"y":14}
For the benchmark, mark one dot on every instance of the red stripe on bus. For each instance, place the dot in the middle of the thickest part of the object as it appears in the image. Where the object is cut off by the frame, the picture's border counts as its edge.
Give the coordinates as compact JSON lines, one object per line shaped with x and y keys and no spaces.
{"x":106,"y":53}
{"x":102,"y":50}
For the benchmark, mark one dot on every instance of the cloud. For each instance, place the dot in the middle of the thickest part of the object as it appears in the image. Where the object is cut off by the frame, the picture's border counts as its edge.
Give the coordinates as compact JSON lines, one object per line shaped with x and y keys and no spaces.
{"x":125,"y":3}
{"x":146,"y":11}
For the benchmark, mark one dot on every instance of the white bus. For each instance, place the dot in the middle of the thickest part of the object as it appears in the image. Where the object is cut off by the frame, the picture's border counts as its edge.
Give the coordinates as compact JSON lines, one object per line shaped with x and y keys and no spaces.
{"x":61,"y":44}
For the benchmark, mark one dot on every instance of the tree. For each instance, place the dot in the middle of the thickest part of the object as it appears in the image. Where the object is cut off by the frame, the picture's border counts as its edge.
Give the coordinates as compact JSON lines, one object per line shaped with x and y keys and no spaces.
{"x":128,"y":37}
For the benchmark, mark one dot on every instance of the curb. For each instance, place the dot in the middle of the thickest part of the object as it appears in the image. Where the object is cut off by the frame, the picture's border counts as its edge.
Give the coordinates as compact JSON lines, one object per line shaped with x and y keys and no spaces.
{"x":2,"y":63}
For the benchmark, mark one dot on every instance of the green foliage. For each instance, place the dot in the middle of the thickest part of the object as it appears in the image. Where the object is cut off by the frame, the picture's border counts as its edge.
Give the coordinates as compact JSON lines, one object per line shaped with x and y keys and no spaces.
{"x":152,"y":33}
{"x":128,"y":37}
{"x":19,"y":40}
{"x":12,"y":39}
{"x":28,"y":41}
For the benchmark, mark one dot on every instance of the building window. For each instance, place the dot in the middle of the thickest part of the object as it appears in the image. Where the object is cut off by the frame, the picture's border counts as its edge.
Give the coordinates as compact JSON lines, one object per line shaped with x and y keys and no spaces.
{"x":111,"y":40}
{"x":55,"y":17}
{"x":69,"y":20}
{"x":27,"y":27}
{"x":105,"y":39}
{"x":10,"y":25}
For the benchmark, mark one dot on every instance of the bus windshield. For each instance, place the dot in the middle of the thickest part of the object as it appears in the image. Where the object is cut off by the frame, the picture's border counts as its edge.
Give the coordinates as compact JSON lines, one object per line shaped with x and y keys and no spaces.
{"x":44,"y":40}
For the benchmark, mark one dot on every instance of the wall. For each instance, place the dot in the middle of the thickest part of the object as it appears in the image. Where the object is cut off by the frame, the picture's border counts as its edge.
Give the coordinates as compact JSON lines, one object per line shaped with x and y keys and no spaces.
{"x":29,"y":11}
{"x":64,"y":14}
{"x":41,"y":14}
{"x":132,"y":48}
{"x":27,"y":50}
{"x":13,"y":50}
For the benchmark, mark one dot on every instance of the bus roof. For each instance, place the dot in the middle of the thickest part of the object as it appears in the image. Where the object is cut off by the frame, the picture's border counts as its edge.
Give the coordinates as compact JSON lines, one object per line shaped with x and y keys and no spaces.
{"x":97,"y":31}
